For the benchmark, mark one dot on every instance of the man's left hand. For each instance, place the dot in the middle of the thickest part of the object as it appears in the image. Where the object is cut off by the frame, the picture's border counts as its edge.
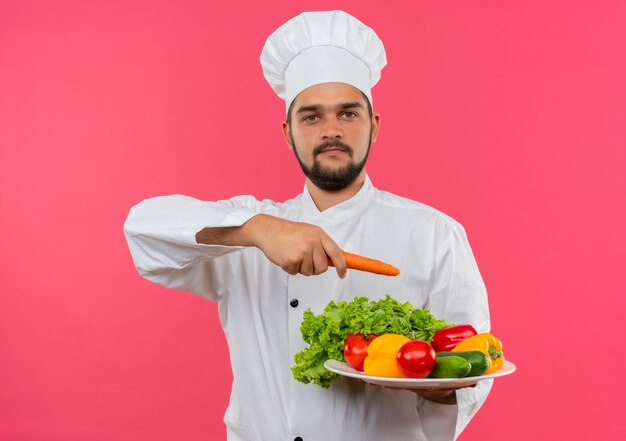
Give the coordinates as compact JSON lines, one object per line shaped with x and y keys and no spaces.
{"x":443,"y":396}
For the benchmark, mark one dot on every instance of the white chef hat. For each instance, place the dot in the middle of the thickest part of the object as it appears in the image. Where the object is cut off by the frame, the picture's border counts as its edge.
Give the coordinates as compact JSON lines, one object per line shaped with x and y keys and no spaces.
{"x":322,"y":47}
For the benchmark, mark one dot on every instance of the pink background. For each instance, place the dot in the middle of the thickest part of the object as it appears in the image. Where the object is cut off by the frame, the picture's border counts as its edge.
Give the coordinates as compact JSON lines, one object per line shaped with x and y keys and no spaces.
{"x":508,"y":116}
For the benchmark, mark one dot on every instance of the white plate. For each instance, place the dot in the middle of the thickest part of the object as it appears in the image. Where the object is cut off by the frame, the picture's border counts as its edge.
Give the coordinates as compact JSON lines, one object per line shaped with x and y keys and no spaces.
{"x":416,"y":383}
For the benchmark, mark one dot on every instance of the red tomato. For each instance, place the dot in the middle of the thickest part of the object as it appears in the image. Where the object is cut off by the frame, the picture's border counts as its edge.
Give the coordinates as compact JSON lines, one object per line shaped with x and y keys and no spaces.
{"x":416,"y":359}
{"x":355,"y":349}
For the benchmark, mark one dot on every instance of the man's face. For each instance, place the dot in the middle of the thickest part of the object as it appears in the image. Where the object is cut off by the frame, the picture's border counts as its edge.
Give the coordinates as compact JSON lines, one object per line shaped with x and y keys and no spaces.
{"x":330,"y":133}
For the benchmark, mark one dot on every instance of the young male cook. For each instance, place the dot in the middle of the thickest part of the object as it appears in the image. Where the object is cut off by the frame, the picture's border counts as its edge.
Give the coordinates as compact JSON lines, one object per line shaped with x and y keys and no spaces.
{"x":253,"y":257}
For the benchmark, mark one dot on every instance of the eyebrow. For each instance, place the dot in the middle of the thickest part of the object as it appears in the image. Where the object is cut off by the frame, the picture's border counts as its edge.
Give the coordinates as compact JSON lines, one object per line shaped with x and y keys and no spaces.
{"x":341,"y":106}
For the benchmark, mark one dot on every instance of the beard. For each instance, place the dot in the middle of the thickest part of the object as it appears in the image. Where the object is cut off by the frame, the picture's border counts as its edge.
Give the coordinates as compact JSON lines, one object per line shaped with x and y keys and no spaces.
{"x":332,"y":179}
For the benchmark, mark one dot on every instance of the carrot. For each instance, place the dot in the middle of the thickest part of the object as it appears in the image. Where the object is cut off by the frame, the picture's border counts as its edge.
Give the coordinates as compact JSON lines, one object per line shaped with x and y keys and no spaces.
{"x":361,"y":263}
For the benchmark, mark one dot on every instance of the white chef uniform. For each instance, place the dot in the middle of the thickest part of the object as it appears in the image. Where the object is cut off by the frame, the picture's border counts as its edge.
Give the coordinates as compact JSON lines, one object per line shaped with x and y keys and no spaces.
{"x":261,"y":307}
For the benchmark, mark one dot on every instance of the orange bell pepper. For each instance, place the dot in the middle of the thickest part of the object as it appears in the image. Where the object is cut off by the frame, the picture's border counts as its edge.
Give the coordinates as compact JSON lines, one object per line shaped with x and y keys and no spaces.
{"x":488,"y":345}
{"x":381,"y":356}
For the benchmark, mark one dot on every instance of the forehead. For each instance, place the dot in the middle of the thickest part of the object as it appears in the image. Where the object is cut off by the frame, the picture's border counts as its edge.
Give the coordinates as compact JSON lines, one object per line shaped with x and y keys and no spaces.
{"x":328,"y":94}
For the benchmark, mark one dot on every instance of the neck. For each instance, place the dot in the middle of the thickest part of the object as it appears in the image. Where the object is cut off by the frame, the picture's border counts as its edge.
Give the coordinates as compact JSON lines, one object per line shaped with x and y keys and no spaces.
{"x":326,"y":199}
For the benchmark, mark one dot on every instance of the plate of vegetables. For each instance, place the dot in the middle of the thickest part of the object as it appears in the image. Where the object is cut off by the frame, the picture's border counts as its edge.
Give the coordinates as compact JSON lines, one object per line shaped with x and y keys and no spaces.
{"x":394,"y":344}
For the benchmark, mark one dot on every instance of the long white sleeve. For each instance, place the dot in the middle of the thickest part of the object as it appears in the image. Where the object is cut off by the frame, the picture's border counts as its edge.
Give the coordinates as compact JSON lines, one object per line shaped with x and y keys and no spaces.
{"x":161,"y":235}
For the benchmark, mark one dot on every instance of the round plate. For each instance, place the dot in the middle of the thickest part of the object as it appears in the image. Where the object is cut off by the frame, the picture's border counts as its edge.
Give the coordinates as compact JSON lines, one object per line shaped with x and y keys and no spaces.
{"x":416,"y":383}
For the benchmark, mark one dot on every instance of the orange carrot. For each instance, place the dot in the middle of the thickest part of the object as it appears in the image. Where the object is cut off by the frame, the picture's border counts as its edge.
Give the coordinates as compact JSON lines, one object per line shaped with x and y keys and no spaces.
{"x":361,"y":263}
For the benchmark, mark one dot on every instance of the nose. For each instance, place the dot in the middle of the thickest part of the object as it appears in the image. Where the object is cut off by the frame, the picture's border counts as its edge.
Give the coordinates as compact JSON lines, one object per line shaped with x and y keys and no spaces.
{"x":331,"y":129}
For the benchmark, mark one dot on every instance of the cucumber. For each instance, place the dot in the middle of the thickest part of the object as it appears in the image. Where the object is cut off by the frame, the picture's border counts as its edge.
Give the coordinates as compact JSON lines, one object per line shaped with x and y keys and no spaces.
{"x":450,"y":366}
{"x":478,"y":360}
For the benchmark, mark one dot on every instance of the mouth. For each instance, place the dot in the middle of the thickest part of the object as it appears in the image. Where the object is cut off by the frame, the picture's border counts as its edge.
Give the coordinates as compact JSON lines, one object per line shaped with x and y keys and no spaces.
{"x":332,"y":151}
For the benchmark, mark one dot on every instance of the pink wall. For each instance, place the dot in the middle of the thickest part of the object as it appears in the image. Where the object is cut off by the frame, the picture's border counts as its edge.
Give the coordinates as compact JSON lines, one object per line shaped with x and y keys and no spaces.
{"x":509,"y":116}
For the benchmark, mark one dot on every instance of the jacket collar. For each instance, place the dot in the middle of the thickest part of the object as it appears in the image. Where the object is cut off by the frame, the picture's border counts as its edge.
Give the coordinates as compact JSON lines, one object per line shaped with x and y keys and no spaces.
{"x":342,"y":212}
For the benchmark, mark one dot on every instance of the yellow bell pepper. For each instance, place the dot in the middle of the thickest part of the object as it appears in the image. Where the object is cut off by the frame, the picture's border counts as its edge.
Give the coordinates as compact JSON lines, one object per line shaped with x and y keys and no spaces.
{"x":381,"y":356}
{"x":488,"y":345}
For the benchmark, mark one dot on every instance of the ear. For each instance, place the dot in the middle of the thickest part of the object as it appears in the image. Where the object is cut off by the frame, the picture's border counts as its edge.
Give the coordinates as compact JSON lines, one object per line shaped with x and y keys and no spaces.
{"x":375,"y":126}
{"x":287,"y":134}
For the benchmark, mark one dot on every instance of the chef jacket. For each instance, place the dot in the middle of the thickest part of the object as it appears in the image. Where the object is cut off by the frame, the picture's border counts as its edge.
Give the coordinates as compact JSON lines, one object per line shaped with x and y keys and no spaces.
{"x":261,"y":307}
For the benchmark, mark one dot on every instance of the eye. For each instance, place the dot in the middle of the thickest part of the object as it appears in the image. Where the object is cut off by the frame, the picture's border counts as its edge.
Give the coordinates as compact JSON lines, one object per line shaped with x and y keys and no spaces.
{"x":350,"y":115}
{"x":310,"y":118}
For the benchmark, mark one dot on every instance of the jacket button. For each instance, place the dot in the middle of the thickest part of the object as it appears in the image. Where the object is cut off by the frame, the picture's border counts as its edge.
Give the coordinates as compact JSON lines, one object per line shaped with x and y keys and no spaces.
{"x":294,"y":304}
{"x":297,"y":438}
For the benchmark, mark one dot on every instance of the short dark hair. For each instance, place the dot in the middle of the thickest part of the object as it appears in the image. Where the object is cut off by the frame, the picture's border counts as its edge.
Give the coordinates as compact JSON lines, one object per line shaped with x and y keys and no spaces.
{"x":369,"y":108}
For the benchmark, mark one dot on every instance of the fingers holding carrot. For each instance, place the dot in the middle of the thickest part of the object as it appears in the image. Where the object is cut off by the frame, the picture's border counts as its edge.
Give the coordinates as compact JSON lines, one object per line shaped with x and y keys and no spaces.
{"x":303,"y":248}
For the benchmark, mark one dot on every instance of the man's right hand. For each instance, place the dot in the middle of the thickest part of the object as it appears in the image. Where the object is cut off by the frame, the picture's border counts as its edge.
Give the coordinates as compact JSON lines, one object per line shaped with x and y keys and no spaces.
{"x":296,"y":247}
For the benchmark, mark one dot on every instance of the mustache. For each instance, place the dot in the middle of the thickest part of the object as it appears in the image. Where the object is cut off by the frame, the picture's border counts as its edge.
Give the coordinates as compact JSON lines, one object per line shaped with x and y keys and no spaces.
{"x":333,"y":144}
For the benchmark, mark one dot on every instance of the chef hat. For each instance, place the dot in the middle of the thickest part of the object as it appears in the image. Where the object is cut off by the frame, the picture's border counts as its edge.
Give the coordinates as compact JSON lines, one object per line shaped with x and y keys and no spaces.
{"x":322,"y":47}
